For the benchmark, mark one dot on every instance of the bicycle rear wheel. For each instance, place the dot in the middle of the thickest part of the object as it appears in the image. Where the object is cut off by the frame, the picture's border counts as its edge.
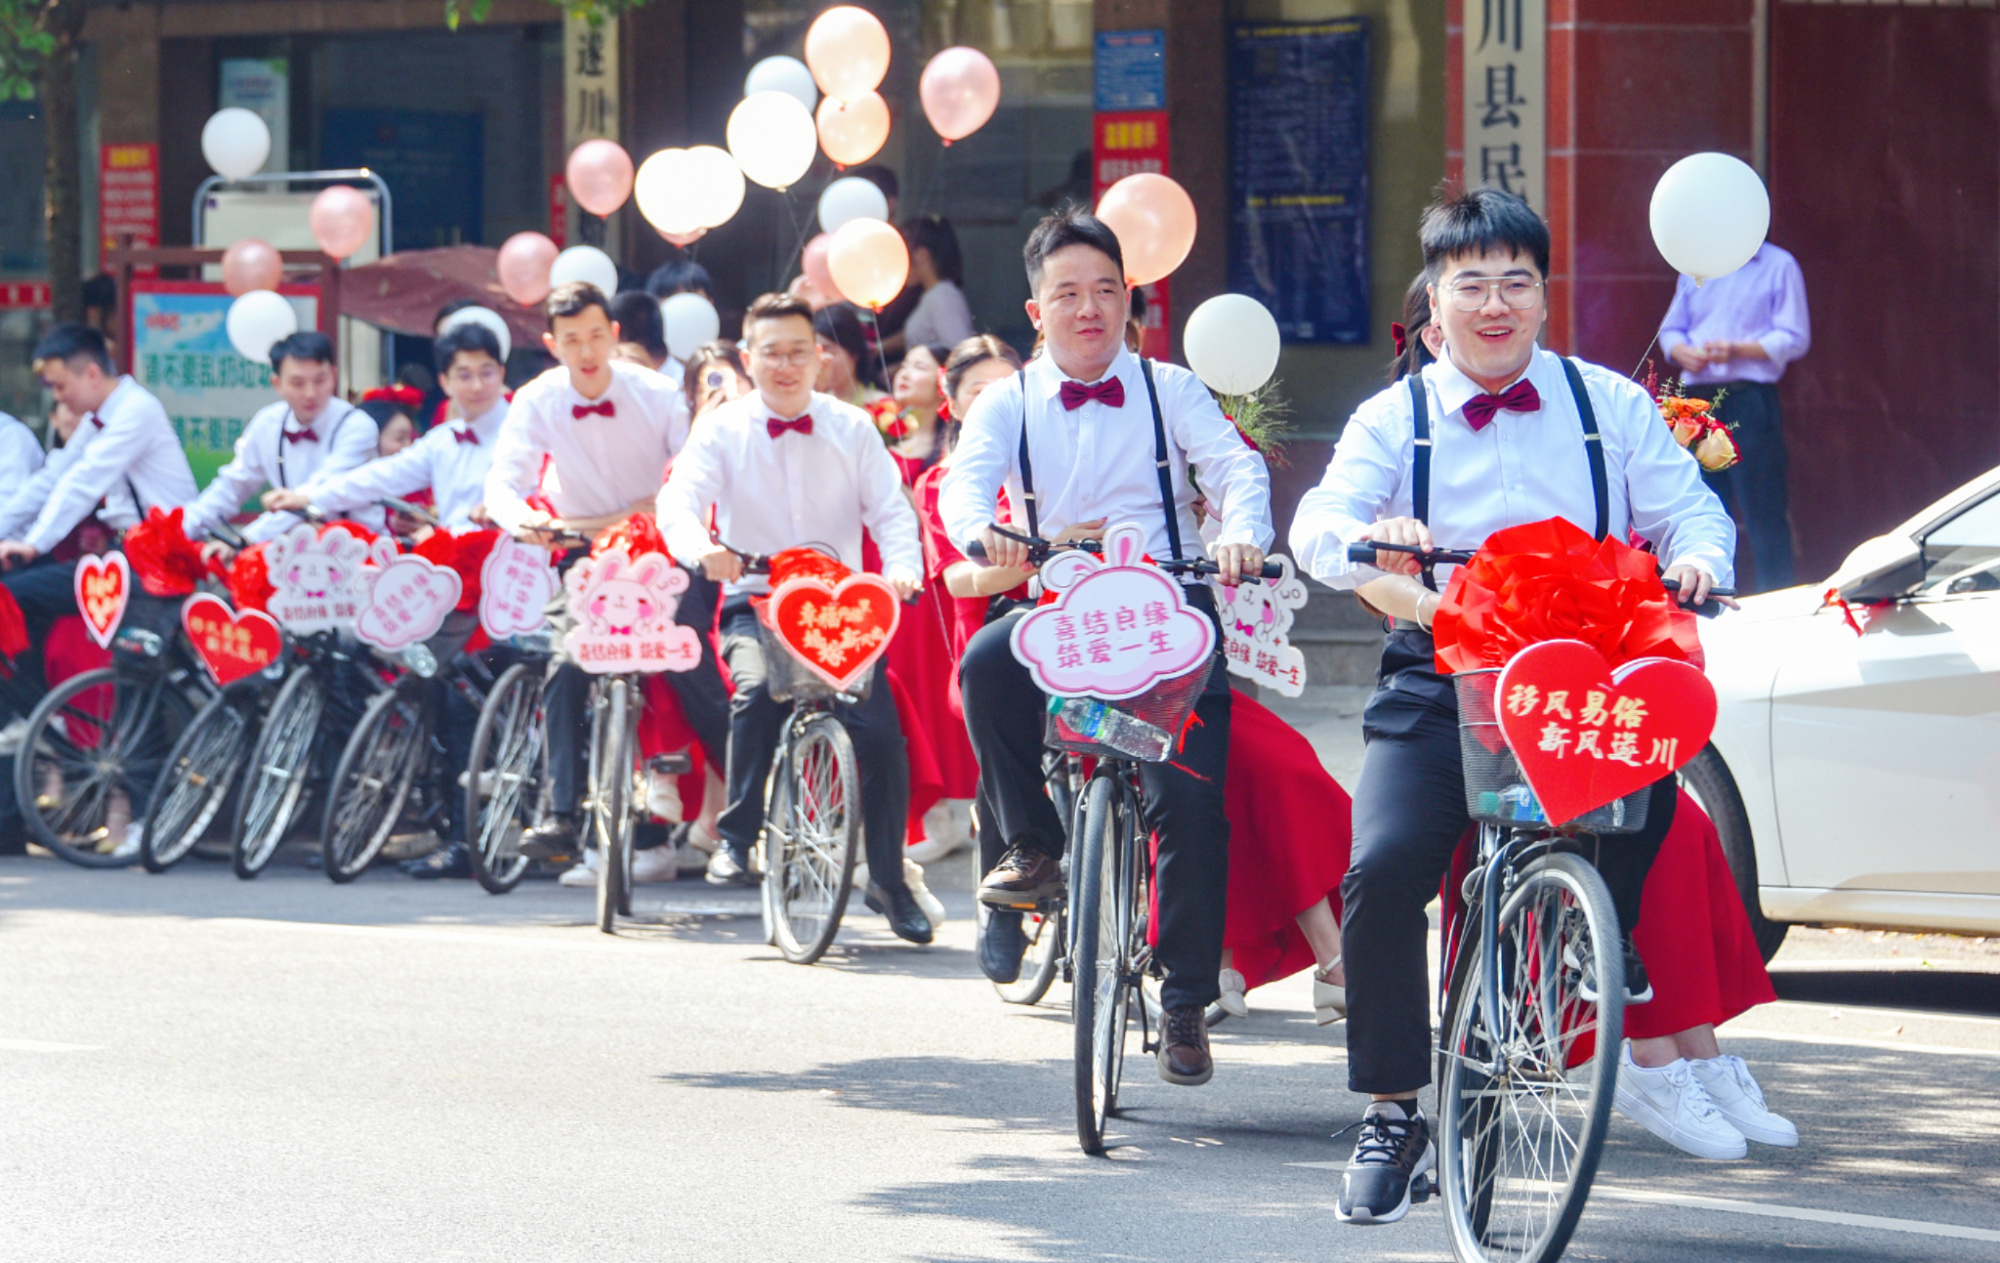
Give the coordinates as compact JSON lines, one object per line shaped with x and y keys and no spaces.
{"x":194,"y":786}
{"x":87,"y":763}
{"x":505,"y":777}
{"x":373,"y":778}
{"x":812,"y":830}
{"x":1101,"y":925}
{"x":1525,"y":1101}
{"x":280,"y":768}
{"x":614,"y":733}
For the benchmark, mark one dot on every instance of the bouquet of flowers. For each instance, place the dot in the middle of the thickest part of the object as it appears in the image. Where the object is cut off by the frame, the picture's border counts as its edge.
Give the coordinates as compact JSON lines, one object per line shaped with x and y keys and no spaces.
{"x":1694,"y":423}
{"x":1264,"y":419}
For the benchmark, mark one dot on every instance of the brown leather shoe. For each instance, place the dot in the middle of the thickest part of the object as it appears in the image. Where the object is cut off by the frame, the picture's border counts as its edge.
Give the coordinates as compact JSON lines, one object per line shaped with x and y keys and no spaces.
{"x":1184,"y":1057}
{"x":1022,"y":879}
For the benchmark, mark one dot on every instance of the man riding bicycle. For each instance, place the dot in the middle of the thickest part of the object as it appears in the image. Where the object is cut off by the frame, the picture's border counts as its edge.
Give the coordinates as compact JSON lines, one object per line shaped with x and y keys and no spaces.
{"x":1088,"y":436}
{"x":1496,"y":433}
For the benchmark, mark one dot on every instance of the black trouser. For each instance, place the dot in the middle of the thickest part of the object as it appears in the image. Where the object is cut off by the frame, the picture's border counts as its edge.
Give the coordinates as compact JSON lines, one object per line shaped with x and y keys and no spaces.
{"x":756,"y":723}
{"x":1409,"y":815}
{"x":1184,"y":807}
{"x":703,"y":696}
{"x":45,"y":589}
{"x":1756,"y":489}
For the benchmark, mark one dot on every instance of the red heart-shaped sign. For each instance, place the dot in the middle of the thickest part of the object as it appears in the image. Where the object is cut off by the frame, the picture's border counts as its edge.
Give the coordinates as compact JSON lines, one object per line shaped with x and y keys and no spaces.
{"x":839,"y":632}
{"x":103,"y":586}
{"x":1586,"y":736}
{"x":231,"y":643}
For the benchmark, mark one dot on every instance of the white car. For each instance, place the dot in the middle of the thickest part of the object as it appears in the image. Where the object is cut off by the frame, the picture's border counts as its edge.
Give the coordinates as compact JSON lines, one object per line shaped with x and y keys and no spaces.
{"x":1855,"y":776}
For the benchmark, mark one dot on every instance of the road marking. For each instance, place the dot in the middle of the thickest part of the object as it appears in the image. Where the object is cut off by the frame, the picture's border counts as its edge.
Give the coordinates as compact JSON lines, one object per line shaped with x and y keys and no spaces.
{"x":44,"y":1046}
{"x":1820,"y":1010}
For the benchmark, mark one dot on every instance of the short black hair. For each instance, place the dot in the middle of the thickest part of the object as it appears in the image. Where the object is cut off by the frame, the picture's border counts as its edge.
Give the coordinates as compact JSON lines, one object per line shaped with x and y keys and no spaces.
{"x":935,"y":234}
{"x":682,"y":276}
{"x":72,"y":341}
{"x":305,"y":345}
{"x":467,"y":335}
{"x":573,"y":298}
{"x":1070,"y":226}
{"x":1482,"y":221}
{"x":840,"y":325}
{"x":881,"y":177}
{"x":639,"y":320}
{"x":100,"y":293}
{"x":777,"y":306}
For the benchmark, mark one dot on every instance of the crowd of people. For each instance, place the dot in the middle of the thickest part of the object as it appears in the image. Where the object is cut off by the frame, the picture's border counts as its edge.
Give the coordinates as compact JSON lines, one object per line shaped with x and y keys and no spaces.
{"x":1265,"y":867}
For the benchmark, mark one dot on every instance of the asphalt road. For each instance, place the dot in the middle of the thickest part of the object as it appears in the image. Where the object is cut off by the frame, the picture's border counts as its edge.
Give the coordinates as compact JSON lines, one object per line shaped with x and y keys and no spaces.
{"x":197,"y":1068}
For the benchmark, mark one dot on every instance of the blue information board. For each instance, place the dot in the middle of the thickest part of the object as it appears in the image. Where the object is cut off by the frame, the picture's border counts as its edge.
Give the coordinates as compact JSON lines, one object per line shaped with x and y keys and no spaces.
{"x":1131,"y":70}
{"x":1298,"y":130}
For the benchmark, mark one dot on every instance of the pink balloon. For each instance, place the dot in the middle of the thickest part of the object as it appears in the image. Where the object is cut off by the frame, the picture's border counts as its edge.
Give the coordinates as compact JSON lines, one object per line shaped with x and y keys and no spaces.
{"x":599,"y":176}
{"x":1154,"y":220}
{"x":684,"y":239}
{"x":852,"y":134}
{"x":847,"y":50}
{"x":814,"y":264}
{"x":960,"y":90}
{"x":869,"y":262}
{"x":342,"y":219}
{"x":524,"y":262}
{"x":251,"y":264}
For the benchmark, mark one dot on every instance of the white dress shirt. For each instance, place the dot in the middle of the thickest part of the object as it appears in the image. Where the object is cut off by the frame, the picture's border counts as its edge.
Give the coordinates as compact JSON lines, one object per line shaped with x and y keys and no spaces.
{"x":133,"y":450}
{"x":452,"y":460}
{"x":25,"y":503}
{"x":1522,"y":467}
{"x":604,"y":463}
{"x":770,"y":494}
{"x":20,"y":456}
{"x":344,"y":437}
{"x":1098,"y":462}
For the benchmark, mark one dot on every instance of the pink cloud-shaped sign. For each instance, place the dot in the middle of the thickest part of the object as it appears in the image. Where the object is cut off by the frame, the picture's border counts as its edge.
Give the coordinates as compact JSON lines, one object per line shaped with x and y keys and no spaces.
{"x":406,"y":602}
{"x":515,"y":585}
{"x":1117,"y":627}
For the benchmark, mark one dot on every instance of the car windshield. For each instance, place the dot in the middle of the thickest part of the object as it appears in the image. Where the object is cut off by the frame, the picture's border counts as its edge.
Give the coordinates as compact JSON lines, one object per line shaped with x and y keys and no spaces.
{"x":1963,"y":555}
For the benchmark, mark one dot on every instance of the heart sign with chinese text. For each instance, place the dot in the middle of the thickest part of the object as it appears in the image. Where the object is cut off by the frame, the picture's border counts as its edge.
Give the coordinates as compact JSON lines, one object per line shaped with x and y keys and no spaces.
{"x":1586,"y":735}
{"x":406,"y":602}
{"x":622,"y":611}
{"x":230,"y":643}
{"x":840,"y":630}
{"x":103,"y":587}
{"x":515,"y":584}
{"x":1256,"y":631}
{"x":1117,"y":627}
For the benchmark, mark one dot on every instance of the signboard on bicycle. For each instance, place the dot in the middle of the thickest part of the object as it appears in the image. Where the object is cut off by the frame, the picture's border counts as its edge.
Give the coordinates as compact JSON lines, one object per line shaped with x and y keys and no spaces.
{"x":515,"y":584}
{"x":1256,"y":631}
{"x":318,"y":580}
{"x":622,"y":615}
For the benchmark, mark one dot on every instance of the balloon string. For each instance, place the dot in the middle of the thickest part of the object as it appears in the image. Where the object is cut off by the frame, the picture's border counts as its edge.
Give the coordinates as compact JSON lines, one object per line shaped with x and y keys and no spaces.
{"x":798,"y":242}
{"x":1647,"y":355}
{"x":881,"y":352}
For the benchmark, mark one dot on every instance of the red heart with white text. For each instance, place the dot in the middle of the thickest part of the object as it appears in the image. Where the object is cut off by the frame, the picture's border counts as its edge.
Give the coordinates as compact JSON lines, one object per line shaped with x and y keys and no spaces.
{"x":103,"y":587}
{"x":230,"y":643}
{"x":1586,"y":735}
{"x":838,"y":632}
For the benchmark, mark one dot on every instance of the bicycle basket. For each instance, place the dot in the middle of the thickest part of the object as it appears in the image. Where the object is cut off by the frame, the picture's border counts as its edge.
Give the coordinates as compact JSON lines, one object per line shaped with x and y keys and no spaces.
{"x":789,"y":679}
{"x":1495,"y":790}
{"x":1146,"y":727}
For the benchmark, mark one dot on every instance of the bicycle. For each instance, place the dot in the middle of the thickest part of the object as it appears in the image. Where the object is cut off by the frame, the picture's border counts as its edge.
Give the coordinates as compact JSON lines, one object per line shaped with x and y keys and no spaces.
{"x":1045,"y":926}
{"x":506,"y":779}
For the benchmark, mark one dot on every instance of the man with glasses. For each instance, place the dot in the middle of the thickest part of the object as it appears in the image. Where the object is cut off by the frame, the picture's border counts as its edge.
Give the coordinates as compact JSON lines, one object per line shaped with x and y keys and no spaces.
{"x":1496,"y":433}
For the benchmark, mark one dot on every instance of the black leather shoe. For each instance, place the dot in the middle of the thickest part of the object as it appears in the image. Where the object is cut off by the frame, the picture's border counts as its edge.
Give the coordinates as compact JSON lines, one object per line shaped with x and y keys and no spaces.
{"x":1001,"y":945}
{"x":900,"y":906}
{"x":449,"y":860}
{"x":730,"y":866}
{"x":1184,"y":1057}
{"x":1023,"y":878}
{"x":553,"y":838}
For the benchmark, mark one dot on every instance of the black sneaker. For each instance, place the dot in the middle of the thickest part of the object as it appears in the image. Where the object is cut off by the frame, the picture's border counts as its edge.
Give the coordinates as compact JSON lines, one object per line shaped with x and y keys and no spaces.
{"x":449,"y":860}
{"x":553,"y":838}
{"x":1391,"y":1166}
{"x":1638,"y":987}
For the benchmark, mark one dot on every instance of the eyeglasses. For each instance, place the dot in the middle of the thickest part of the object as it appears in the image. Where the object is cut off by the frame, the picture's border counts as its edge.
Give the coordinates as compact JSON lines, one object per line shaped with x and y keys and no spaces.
{"x":1469,"y":293}
{"x":475,"y":376}
{"x":791,"y":359}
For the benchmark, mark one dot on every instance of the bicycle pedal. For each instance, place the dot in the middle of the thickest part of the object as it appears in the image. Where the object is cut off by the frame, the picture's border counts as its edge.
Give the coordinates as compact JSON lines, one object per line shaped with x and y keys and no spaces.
{"x":1421,"y":1188}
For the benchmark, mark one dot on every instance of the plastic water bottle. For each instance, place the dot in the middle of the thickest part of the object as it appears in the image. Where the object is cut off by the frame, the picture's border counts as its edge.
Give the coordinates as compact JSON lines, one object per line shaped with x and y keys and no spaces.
{"x":1518,"y":802}
{"x":1108,"y":726}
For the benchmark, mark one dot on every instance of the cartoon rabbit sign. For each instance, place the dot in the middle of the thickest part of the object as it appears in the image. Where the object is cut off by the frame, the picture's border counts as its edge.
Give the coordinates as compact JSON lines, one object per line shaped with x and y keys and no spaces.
{"x":1256,"y":631}
{"x":318,"y":580}
{"x":1117,"y":628}
{"x":622,"y":615}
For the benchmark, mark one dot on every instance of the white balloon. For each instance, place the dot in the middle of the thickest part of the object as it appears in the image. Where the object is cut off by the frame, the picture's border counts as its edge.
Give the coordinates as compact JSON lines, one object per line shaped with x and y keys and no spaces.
{"x":773,"y":138}
{"x":850,"y":198}
{"x":690,"y":320}
{"x":257,"y":321}
{"x":236,"y":142}
{"x":1709,"y":214}
{"x":1232,"y":344}
{"x":661,"y":190}
{"x":585,"y":263}
{"x":493,"y":321}
{"x":783,"y":74}
{"x":718,"y":185}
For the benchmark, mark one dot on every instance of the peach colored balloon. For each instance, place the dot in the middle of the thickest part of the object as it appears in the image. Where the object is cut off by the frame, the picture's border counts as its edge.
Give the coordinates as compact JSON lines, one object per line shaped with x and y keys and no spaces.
{"x":524,"y":262}
{"x":342,"y":219}
{"x":1154,"y":220}
{"x":251,"y":264}
{"x":847,"y":51}
{"x":599,"y":176}
{"x":684,"y":238}
{"x":853,"y":133}
{"x":813,"y":262}
{"x":869,"y":262}
{"x":960,"y":89}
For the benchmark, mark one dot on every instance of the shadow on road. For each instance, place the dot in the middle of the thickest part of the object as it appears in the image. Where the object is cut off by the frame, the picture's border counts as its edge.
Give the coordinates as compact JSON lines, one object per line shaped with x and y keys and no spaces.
{"x":1932,"y":990}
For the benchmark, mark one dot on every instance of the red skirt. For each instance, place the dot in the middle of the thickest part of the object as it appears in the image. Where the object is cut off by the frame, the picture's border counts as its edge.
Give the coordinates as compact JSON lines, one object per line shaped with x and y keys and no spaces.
{"x":921,"y":658}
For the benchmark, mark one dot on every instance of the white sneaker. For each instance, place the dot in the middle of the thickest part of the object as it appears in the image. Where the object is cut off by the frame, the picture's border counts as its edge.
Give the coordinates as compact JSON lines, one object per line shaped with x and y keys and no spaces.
{"x":1671,"y":1103}
{"x":1737,"y":1098}
{"x":947,"y":829}
{"x":913,"y":877}
{"x":1232,"y":1000}
{"x":663,"y":796}
{"x":135,"y":836}
{"x":583,"y":875}
{"x":1329,"y":998}
{"x":656,"y":864}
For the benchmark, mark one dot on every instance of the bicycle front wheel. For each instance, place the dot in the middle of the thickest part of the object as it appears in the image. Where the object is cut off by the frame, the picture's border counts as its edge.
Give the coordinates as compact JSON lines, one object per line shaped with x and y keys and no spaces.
{"x":1101,"y":924}
{"x":373,"y":778}
{"x":505,"y":777}
{"x":280,"y":767}
{"x":812,"y":829}
{"x":201,"y":770}
{"x":613,"y":740}
{"x":88,"y":761}
{"x":1526,"y":1095}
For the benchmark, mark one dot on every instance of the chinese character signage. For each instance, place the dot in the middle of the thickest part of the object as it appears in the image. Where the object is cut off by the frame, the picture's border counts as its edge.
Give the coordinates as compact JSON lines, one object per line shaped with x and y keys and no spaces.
{"x":1127,"y":144}
{"x":1298,"y":133}
{"x":406,"y":601}
{"x":622,"y":615}
{"x":319,"y":579}
{"x":1117,"y":628}
{"x":1256,"y":631}
{"x":1131,"y":70}
{"x":128,"y":196}
{"x":515,"y":585}
{"x":1506,"y":93}
{"x":590,"y":81}
{"x":231,"y":643}
{"x":837,"y":631}
{"x":103,"y":586}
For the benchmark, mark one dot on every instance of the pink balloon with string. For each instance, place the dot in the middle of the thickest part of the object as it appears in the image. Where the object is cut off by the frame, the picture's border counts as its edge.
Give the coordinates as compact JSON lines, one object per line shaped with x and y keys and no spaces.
{"x":523,"y":264}
{"x":599,"y":176}
{"x":342,"y":219}
{"x":960,"y":89}
{"x":814,"y":263}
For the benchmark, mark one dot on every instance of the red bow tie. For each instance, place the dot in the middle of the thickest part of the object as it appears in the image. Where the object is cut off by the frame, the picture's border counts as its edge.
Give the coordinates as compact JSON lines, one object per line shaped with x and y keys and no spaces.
{"x":466,"y":436}
{"x":1110,"y":392}
{"x":1520,"y":397}
{"x":97,"y":420}
{"x":602,"y":409}
{"x":804,"y":425}
{"x":301,"y":436}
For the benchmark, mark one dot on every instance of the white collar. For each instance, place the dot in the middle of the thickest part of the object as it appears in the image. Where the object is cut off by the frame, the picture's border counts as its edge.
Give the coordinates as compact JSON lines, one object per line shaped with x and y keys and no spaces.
{"x":759,"y":411}
{"x":1455,"y":389}
{"x":1050,"y":378}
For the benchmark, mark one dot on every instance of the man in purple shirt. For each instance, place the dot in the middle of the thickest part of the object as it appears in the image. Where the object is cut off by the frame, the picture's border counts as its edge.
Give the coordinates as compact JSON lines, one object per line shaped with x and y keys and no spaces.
{"x":1736,"y":334}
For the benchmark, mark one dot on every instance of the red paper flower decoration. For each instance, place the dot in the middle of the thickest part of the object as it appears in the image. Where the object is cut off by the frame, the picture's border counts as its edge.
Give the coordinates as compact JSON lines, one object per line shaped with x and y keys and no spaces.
{"x":250,"y":580}
{"x":794,"y":562}
{"x":466,"y":553}
{"x":166,"y":562}
{"x":637,"y":535}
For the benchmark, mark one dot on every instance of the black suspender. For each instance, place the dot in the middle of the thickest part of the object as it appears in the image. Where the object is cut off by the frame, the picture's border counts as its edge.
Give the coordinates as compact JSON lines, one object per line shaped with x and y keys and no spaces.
{"x":1420,"y":458}
{"x":1160,"y":462}
{"x":1027,"y":469}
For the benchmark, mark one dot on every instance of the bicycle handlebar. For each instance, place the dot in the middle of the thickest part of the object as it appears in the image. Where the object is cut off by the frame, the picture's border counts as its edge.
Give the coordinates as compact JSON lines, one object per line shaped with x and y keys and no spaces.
{"x":1363,"y":553}
{"x":1040,"y":550}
